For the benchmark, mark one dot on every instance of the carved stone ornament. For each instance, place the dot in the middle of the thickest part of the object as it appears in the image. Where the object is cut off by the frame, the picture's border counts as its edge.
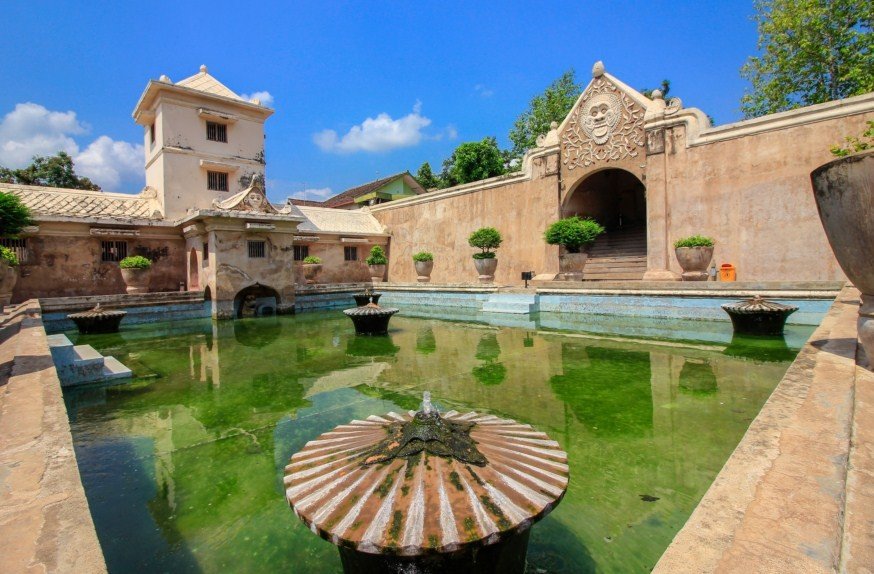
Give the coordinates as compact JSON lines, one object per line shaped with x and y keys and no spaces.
{"x":605,"y":126}
{"x":251,"y":200}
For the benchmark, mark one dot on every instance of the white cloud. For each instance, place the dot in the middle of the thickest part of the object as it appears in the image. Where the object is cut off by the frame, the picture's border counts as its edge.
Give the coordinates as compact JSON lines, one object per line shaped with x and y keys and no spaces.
{"x":31,"y":129}
{"x":381,"y":133}
{"x":265,"y":97}
{"x":313,"y":194}
{"x":483,"y":91}
{"x":108,"y":162}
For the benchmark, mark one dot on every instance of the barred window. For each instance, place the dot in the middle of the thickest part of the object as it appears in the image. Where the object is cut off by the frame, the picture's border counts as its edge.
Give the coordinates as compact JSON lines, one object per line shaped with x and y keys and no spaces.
{"x":18,"y":246}
{"x":301,"y":252}
{"x":216,"y":132}
{"x":113,"y":250}
{"x":350,"y":253}
{"x":257,"y":249}
{"x":216,"y":181}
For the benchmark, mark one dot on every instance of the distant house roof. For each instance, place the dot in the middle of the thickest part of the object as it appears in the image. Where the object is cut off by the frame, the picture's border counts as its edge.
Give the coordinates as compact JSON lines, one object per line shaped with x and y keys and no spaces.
{"x":348,"y":197}
{"x":328,"y":220}
{"x":58,"y":202}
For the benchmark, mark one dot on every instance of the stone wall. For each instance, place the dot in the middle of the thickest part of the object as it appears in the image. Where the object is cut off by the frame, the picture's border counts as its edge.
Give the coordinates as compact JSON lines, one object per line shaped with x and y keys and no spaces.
{"x":519,"y":206}
{"x":65,"y":260}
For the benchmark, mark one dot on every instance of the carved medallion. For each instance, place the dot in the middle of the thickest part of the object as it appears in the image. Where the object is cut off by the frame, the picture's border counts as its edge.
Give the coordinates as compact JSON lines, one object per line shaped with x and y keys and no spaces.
{"x":606,"y":126}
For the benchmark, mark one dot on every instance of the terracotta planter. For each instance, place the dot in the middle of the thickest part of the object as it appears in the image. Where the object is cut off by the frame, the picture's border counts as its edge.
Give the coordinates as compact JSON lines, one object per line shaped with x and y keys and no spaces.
{"x":844,"y":194}
{"x":311,"y":271}
{"x":136,"y":280}
{"x":423,"y":270}
{"x":8,"y":278}
{"x":486,"y":269}
{"x":694,"y":261}
{"x":377,"y":272}
{"x":571,"y":265}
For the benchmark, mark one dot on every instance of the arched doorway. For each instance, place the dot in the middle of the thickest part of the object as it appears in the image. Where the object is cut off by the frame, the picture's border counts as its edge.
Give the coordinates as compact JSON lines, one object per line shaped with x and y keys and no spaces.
{"x":616,"y":199}
{"x":256,"y":301}
{"x":193,"y":271}
{"x":613,"y":197}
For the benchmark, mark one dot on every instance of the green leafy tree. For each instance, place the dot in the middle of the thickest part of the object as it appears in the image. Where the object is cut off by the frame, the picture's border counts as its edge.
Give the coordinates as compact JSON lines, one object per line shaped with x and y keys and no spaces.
{"x":473,"y":161}
{"x":553,"y":105}
{"x":486,"y":239}
{"x":573,"y":232}
{"x":53,"y":171}
{"x":426,"y":177}
{"x":377,"y":256}
{"x":14,"y":215}
{"x":812,"y":51}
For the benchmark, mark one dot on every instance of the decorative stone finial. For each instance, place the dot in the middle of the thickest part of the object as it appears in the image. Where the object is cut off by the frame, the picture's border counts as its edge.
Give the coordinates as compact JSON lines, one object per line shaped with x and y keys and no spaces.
{"x":657,"y":95}
{"x":427,"y":407}
{"x":598,"y":69}
{"x":203,"y":68}
{"x":256,"y":101}
{"x":164,"y":78}
{"x":553,"y":125}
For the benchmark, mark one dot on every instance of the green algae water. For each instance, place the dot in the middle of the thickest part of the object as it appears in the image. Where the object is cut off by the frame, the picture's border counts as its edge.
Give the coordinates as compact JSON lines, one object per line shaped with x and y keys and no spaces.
{"x":183,"y":466}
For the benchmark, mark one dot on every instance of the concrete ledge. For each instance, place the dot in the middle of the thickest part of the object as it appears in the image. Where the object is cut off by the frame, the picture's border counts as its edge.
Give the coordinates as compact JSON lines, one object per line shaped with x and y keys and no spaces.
{"x":45,"y":523}
{"x":779,"y":503}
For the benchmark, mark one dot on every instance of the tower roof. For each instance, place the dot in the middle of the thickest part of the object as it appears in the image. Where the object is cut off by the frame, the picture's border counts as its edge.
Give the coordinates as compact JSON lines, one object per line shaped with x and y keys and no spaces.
{"x":204,"y":82}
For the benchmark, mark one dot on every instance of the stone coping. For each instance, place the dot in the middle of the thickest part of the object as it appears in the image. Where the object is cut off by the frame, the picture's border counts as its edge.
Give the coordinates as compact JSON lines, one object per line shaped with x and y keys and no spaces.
{"x":84,"y":302}
{"x":787,"y":500}
{"x":45,"y":522}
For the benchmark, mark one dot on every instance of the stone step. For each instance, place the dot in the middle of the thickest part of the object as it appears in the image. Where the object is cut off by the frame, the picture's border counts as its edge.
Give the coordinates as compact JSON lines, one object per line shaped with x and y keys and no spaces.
{"x":61,"y":348}
{"x":514,"y":304}
{"x":620,"y":258}
{"x":616,"y":262}
{"x":86,"y":355}
{"x":113,"y":369}
{"x":619,"y":276}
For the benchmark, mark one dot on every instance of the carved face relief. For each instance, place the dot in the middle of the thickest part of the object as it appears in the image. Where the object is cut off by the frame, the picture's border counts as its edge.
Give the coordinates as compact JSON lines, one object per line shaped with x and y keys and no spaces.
{"x":601,"y":117}
{"x":255,"y":200}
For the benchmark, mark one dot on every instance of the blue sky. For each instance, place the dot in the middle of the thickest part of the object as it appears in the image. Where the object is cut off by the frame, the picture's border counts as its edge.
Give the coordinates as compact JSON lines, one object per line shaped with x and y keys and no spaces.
{"x":430,"y":75}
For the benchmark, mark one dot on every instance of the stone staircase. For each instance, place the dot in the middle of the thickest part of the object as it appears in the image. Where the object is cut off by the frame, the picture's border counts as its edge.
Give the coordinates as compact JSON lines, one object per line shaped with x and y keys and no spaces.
{"x":618,"y":255}
{"x":80,"y":364}
{"x":514,"y":303}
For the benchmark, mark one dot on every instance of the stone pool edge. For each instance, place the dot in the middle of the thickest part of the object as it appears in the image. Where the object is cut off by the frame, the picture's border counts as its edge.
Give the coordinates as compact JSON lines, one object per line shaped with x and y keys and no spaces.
{"x":797,"y":494}
{"x":45,"y":521}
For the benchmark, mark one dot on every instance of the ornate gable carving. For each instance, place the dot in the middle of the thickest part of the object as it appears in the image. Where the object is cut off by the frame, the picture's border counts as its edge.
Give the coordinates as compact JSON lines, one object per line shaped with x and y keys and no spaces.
{"x":251,"y":200}
{"x":606,"y":126}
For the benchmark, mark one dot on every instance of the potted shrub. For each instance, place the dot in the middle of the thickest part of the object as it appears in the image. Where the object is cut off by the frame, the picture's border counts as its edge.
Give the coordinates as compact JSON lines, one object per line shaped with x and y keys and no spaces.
{"x":376,"y":263}
{"x":312,"y":266}
{"x":844,"y":194}
{"x":8,"y":275}
{"x":694,"y":254}
{"x":486,"y":239}
{"x":424,"y":262}
{"x":135,"y":272}
{"x":575,"y":235}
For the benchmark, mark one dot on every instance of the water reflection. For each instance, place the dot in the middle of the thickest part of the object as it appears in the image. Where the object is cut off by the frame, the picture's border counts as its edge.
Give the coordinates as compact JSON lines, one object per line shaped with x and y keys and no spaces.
{"x":201,"y":439}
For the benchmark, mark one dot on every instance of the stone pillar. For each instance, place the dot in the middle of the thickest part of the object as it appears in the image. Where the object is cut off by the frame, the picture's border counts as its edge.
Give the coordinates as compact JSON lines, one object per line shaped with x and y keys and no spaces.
{"x":658,"y":248}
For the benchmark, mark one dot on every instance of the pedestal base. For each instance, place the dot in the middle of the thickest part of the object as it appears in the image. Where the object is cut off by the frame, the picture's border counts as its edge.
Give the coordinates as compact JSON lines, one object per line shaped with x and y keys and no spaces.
{"x":504,"y":557}
{"x":695,"y":276}
{"x":486,"y":279}
{"x":571,"y":276}
{"x":423,"y":279}
{"x":866,"y":328}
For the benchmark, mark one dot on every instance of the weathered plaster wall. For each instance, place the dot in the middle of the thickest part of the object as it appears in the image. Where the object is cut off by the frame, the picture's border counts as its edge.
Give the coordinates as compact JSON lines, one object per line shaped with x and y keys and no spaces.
{"x":440,"y":223}
{"x":752,"y":195}
{"x":65,"y":260}
{"x":335,"y":269}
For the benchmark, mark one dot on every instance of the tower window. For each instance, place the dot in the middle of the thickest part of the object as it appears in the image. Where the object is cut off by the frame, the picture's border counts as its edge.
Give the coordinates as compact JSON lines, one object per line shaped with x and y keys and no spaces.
{"x":113,"y":250}
{"x":350,"y":253}
{"x":216,"y":132}
{"x":152,"y":134}
{"x":257,"y":250}
{"x":301,"y":252}
{"x":216,"y":181}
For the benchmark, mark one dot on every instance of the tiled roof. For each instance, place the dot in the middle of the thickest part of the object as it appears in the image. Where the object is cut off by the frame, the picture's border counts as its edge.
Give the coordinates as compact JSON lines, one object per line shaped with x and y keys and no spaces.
{"x":203,"y":82}
{"x":327,"y":220}
{"x":349,"y":195}
{"x":76,"y":203}
{"x":296,"y":201}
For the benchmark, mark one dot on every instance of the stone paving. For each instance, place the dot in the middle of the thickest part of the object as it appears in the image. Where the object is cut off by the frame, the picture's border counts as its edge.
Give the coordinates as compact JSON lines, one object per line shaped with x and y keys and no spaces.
{"x":45,"y":524}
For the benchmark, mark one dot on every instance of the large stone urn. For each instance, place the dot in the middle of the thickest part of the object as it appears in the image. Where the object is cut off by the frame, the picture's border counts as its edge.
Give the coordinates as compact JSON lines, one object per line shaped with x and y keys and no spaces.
{"x":571,"y":265}
{"x":377,"y":272}
{"x":844,"y":193}
{"x":423,"y":271}
{"x":136,"y":280}
{"x":486,"y":269}
{"x":694,"y":261}
{"x":8,"y":279}
{"x":311,"y":271}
